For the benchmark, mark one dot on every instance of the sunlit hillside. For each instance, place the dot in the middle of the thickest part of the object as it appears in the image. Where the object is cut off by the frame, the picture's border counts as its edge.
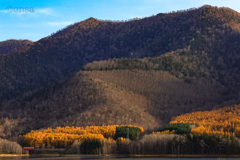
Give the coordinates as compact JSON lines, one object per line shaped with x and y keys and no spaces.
{"x":224,"y":121}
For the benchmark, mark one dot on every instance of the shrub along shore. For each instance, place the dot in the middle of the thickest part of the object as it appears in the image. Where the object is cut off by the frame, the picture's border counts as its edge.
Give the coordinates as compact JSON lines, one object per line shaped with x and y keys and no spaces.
{"x":213,"y":132}
{"x":174,"y":139}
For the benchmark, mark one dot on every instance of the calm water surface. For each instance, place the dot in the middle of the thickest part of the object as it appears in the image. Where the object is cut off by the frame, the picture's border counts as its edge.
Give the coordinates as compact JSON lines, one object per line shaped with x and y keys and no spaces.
{"x":112,"y":158}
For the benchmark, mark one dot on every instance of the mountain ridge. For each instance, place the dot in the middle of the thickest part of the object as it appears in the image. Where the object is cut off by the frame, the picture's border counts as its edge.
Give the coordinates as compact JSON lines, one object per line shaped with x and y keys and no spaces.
{"x":56,"y":57}
{"x":11,"y":46}
{"x":154,"y":68}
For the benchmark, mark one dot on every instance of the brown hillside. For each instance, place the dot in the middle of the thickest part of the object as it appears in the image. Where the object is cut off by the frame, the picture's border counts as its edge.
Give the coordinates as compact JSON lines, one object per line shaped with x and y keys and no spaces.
{"x":82,"y":100}
{"x":144,"y":98}
{"x":191,"y":63}
{"x":169,"y":95}
{"x":53,"y":58}
{"x":10,"y":46}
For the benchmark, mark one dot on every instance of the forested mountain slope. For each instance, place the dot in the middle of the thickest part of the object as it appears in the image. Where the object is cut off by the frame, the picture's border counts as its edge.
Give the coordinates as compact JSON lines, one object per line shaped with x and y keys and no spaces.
{"x":80,"y":100}
{"x":11,"y":46}
{"x":209,"y":31}
{"x":141,"y":72}
{"x":145,"y":97}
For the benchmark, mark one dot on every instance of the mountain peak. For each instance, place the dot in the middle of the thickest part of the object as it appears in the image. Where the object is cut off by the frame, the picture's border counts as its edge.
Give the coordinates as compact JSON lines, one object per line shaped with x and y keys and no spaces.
{"x":207,"y":6}
{"x":91,"y":19}
{"x":225,"y":9}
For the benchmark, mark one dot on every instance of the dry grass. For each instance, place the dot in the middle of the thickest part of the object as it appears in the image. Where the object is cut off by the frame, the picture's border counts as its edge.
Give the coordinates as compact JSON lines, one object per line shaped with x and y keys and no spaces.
{"x":144,"y":98}
{"x":168,"y":94}
{"x":82,"y":100}
{"x":8,"y":147}
{"x":153,"y":144}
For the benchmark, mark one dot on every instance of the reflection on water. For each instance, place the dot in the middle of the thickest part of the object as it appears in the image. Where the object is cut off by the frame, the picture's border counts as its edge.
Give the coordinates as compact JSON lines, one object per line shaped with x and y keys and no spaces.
{"x":111,"y":158}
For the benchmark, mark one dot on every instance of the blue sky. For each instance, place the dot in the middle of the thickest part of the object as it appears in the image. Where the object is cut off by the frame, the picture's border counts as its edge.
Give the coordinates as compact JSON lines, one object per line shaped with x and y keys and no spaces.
{"x":35,"y":19}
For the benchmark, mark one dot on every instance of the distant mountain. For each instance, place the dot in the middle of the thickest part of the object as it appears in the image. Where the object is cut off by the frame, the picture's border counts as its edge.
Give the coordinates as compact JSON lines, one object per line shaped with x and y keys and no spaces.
{"x":10,"y":46}
{"x":209,"y":31}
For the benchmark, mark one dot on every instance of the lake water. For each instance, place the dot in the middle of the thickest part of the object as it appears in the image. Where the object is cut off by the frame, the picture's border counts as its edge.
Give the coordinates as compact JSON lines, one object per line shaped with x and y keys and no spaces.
{"x":112,"y":158}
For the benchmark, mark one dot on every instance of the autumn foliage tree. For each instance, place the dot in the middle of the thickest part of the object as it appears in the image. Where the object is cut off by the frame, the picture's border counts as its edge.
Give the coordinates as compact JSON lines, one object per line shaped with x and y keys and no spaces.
{"x":224,"y":121}
{"x":61,"y":137}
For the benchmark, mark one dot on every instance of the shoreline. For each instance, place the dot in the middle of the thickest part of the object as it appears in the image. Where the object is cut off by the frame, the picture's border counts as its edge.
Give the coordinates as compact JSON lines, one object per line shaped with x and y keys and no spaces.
{"x":125,"y":156}
{"x":14,"y":155}
{"x":183,"y":156}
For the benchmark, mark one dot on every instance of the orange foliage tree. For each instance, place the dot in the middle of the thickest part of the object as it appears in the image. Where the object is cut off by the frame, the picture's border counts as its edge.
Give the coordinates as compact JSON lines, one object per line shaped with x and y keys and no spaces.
{"x":224,"y":121}
{"x":64,"y":136}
